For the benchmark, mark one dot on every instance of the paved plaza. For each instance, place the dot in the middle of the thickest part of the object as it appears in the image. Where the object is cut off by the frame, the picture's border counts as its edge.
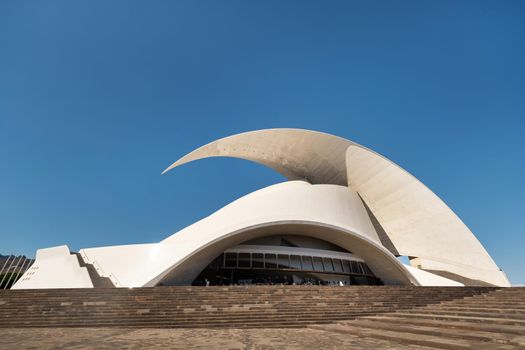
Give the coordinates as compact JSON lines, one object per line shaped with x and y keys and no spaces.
{"x":129,"y":338}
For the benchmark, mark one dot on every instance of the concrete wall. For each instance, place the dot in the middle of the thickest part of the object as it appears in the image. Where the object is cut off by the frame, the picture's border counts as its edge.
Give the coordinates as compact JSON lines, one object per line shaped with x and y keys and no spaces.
{"x":55,"y":267}
{"x":328,"y":212}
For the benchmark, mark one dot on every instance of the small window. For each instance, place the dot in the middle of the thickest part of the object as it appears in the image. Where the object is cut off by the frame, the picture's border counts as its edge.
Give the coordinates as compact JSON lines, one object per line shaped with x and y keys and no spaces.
{"x":355,"y":267}
{"x":346,"y":266}
{"x":368,"y":270}
{"x":307,"y":263}
{"x":338,"y":267}
{"x":318,"y":263}
{"x":327,"y":263}
{"x":362,"y":267}
{"x":257,"y":260}
{"x":244,"y":260}
{"x":230,"y":260}
{"x":295,"y":262}
{"x":284,"y":261}
{"x":271,"y":261}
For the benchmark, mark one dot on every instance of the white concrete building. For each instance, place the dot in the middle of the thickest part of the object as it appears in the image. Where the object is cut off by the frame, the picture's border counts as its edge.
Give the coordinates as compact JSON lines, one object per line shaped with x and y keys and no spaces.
{"x":345,"y":216}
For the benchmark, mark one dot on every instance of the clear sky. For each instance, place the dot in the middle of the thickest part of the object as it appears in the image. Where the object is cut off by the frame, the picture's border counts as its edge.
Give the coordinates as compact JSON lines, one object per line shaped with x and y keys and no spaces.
{"x":98,"y":97}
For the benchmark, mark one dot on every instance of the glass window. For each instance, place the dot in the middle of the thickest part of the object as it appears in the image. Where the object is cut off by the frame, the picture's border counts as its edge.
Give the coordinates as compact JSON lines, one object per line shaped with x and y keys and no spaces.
{"x":355,"y":268}
{"x":307,"y":263}
{"x":258,"y":260}
{"x":244,"y":260}
{"x":362,"y":267}
{"x":318,"y":263}
{"x":338,"y":267}
{"x":368,"y":270}
{"x":230,"y":260}
{"x":295,"y":262}
{"x":271,"y":261}
{"x":327,"y":263}
{"x":346,"y":266}
{"x":284,"y":261}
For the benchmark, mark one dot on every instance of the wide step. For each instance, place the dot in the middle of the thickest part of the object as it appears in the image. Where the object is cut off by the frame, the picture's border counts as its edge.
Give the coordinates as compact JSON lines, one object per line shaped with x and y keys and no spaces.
{"x":424,"y":312}
{"x":438,"y":342}
{"x":445,"y":326}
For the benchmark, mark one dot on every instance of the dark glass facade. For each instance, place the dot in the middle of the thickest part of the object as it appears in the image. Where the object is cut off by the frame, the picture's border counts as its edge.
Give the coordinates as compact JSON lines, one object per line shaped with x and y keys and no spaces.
{"x":275,"y":268}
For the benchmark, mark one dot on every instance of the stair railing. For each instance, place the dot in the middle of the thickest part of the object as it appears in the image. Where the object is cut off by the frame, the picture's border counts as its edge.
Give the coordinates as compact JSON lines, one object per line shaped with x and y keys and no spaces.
{"x":5,"y":264}
{"x":99,"y":269}
{"x":3,"y":268}
{"x":22,"y":269}
{"x":14,"y":271}
{"x":115,"y":280}
{"x":9,"y":269}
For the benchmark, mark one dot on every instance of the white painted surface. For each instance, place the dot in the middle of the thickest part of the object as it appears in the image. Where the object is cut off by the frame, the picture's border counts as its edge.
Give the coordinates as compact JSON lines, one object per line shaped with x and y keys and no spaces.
{"x":55,"y":267}
{"x":297,"y":154}
{"x":426,"y":278}
{"x":294,"y":202}
{"x":417,"y":221}
{"x":287,"y":201}
{"x":122,"y":264}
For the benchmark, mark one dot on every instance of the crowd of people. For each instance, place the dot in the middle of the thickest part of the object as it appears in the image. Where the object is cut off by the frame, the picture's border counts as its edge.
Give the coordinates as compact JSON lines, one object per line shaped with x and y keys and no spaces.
{"x":279,"y":280}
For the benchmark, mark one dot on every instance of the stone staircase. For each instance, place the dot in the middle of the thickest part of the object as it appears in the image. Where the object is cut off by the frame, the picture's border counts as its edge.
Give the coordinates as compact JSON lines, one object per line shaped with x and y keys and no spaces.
{"x":491,"y":320}
{"x":96,"y":279}
{"x":244,"y":307}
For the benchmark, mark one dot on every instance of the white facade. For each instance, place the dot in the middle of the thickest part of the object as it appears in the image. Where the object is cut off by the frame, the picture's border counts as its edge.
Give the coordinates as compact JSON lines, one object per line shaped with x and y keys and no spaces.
{"x":337,"y":176}
{"x":55,"y":268}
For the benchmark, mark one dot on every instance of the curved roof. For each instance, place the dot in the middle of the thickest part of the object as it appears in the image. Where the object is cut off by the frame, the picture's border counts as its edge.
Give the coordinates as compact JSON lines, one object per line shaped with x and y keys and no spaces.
{"x":417,"y":221}
{"x":327,"y":212}
{"x":297,"y":154}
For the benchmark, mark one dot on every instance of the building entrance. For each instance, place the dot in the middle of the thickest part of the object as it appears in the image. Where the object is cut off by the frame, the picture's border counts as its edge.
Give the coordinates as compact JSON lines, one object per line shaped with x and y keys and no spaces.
{"x":252,"y":263}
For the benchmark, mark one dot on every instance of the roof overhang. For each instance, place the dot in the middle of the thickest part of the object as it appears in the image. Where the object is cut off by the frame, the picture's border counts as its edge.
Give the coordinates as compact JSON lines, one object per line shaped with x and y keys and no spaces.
{"x":417,"y":221}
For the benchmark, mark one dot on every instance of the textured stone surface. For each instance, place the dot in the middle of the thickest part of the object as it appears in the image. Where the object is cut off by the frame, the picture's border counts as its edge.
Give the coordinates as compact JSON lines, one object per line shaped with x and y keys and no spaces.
{"x":213,"y":307}
{"x":493,"y":320}
{"x":116,"y":338}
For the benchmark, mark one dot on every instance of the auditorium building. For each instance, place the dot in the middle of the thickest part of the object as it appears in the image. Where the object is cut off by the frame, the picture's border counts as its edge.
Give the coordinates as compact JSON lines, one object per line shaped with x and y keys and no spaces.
{"x":346,"y":216}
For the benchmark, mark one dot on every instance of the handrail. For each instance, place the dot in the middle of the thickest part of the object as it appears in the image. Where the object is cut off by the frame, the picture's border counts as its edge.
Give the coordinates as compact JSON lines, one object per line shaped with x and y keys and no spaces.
{"x":5,"y":263}
{"x":100,"y":270}
{"x":9,"y":268}
{"x":115,"y":280}
{"x":22,"y":271}
{"x":14,"y":271}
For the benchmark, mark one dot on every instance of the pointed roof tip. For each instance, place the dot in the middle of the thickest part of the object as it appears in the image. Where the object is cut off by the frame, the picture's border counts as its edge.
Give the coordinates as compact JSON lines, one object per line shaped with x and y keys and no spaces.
{"x":194,"y":155}
{"x":173,"y":165}
{"x":167,"y":169}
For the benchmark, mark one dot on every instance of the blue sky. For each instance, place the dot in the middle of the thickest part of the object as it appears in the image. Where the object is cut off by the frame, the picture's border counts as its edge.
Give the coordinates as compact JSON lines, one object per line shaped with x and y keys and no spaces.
{"x":97,"y":98}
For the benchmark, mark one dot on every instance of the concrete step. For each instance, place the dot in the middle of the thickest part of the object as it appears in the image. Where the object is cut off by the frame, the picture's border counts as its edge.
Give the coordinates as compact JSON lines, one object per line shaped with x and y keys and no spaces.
{"x":122,"y":319}
{"x":432,"y":341}
{"x":453,"y":308}
{"x":183,"y":322}
{"x":469,"y":313}
{"x":485,"y":320}
{"x":508,"y":306}
{"x":438,"y":330}
{"x":254,"y":306}
{"x":463,"y":325}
